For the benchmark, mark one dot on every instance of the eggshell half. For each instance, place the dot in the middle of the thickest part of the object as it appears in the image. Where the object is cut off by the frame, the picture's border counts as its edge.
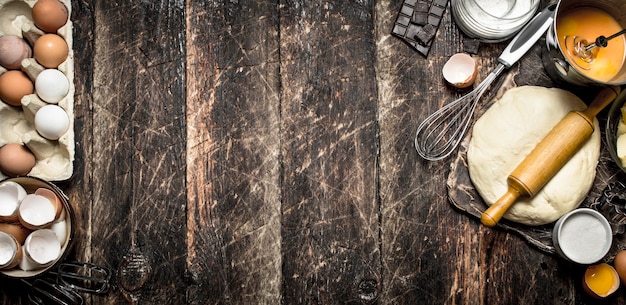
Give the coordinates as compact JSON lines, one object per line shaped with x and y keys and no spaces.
{"x":460,"y":70}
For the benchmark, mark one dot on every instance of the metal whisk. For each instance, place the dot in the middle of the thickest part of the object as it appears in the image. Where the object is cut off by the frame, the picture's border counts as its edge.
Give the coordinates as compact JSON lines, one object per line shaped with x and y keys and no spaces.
{"x":440,"y":133}
{"x":63,"y":286}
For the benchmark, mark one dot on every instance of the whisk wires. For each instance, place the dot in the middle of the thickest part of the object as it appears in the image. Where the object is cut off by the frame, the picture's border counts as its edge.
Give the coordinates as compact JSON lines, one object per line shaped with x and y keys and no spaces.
{"x":441,"y":132}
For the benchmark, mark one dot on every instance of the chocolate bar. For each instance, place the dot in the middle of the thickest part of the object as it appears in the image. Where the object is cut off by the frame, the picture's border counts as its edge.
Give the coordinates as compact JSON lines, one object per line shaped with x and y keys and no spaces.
{"x":418,"y":21}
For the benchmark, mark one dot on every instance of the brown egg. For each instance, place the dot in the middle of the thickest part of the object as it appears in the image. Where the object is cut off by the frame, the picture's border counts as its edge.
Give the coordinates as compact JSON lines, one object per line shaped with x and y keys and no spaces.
{"x":50,"y":50}
{"x":620,"y":265}
{"x":16,"y":160}
{"x":50,"y":15}
{"x":16,"y":230}
{"x":13,"y":50}
{"x":14,"y":85}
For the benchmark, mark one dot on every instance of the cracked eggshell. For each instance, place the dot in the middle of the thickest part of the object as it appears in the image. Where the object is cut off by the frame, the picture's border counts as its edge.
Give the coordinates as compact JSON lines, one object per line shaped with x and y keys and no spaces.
{"x":36,"y":212}
{"x":10,"y":251}
{"x":460,"y":70}
{"x":54,"y":157}
{"x":42,"y":249}
{"x":54,"y":199}
{"x":58,"y":235}
{"x":11,"y":195}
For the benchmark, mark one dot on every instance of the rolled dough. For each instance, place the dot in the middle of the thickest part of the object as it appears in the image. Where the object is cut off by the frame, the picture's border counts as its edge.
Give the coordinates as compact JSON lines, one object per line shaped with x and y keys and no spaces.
{"x":505,"y":135}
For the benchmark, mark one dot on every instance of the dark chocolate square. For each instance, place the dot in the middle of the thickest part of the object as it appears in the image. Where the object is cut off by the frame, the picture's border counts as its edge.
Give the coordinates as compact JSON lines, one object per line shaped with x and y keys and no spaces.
{"x":407,"y":10}
{"x":403,"y":20}
{"x":434,"y":20}
{"x":422,"y":7}
{"x":436,"y":10}
{"x":420,"y":18}
{"x":426,"y":33}
{"x":399,"y":30}
{"x":471,"y":45}
{"x":411,"y":31}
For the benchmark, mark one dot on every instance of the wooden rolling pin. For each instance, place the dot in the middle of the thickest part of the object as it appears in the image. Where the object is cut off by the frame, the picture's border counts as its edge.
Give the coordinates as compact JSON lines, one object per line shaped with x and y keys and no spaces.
{"x":549,"y":156}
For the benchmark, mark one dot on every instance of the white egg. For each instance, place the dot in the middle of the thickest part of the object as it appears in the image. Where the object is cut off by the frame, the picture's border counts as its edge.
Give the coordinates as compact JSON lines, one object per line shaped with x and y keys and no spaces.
{"x":51,"y":85}
{"x":51,"y":121}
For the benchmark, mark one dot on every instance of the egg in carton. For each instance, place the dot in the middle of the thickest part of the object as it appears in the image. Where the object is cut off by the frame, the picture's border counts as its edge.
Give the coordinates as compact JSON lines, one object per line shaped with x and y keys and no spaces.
{"x":43,"y":119}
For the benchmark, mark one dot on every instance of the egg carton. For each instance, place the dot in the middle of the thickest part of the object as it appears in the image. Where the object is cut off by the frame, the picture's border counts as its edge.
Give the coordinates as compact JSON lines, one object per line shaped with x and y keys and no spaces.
{"x":54,"y":158}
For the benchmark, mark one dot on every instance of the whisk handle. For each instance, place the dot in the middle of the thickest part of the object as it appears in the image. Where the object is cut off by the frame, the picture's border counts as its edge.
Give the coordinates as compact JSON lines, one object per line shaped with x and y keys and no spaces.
{"x":527,"y":37}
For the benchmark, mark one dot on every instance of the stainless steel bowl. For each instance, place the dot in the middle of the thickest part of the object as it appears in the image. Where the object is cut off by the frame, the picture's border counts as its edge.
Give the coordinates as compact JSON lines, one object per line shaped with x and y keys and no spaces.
{"x":554,"y":60}
{"x":612,"y":128}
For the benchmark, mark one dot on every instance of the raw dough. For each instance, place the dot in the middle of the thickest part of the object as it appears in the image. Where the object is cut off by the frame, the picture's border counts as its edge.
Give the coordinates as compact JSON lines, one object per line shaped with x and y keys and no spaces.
{"x":506,"y":134}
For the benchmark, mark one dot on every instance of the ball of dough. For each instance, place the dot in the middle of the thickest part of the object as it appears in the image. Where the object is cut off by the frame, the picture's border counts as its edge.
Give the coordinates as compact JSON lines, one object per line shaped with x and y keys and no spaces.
{"x":506,"y":134}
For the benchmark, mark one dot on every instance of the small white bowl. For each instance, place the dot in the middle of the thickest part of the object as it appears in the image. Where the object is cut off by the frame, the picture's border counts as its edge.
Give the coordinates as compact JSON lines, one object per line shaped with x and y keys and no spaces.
{"x":582,"y":236}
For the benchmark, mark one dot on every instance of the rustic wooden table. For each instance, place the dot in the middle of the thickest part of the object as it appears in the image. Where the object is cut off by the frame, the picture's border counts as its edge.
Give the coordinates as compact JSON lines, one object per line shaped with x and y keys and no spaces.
{"x":261,"y":152}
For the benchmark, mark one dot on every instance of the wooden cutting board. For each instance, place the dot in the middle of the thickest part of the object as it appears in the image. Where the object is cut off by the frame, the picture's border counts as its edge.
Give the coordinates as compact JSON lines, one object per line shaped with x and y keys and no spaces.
{"x":464,"y":197}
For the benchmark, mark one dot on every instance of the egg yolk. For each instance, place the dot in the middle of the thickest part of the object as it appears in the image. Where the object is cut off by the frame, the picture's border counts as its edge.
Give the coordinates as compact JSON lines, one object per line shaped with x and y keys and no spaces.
{"x":600,"y":279}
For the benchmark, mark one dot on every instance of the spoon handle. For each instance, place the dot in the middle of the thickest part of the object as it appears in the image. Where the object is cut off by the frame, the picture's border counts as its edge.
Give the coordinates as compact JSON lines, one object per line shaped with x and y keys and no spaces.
{"x":527,"y":37}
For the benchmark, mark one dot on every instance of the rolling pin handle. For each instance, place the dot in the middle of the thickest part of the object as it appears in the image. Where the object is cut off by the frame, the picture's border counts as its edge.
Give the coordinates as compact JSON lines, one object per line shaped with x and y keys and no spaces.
{"x":495,"y":212}
{"x":604,"y":98}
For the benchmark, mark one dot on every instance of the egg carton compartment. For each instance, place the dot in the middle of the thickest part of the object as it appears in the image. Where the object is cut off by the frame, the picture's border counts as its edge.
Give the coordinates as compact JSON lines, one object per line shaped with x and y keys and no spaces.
{"x":54,"y":158}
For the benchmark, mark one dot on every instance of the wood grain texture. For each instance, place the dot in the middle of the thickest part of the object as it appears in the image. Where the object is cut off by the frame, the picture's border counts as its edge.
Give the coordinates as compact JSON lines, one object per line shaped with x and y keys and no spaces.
{"x":131,"y":192}
{"x":329,"y":148}
{"x":419,"y":235}
{"x":261,"y":152}
{"x":233,"y":160}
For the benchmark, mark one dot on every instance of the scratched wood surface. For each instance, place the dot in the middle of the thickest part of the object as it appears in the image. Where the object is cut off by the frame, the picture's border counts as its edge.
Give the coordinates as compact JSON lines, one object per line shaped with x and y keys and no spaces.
{"x":261,"y":152}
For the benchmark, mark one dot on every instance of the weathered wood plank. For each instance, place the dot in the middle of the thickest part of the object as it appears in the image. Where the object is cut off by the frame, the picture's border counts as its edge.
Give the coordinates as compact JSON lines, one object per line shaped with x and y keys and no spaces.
{"x":233,"y":180}
{"x":414,"y":210}
{"x":131,"y":190}
{"x":329,"y":141}
{"x":79,"y":188}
